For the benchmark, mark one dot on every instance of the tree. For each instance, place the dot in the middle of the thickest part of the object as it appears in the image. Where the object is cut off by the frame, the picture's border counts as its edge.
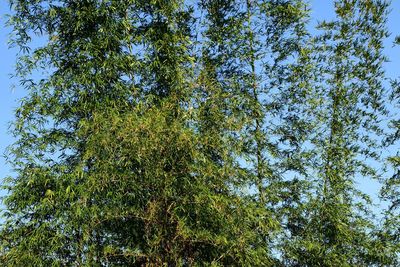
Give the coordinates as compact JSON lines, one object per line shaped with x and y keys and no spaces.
{"x":350,"y":57}
{"x":389,"y":233}
{"x":111,"y":167}
{"x":252,"y":63}
{"x":191,"y":133}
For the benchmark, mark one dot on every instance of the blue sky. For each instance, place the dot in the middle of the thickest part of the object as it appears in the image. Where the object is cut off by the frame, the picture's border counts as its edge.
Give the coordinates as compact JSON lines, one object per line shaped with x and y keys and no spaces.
{"x":9,"y":95}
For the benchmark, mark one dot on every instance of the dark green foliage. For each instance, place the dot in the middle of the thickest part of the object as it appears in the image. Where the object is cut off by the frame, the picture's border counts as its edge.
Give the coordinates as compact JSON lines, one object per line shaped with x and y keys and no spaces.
{"x":196,"y":133}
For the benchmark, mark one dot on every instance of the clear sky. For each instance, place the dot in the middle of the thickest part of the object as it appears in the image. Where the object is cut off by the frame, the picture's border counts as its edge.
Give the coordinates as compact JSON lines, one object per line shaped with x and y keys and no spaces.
{"x":9,"y":95}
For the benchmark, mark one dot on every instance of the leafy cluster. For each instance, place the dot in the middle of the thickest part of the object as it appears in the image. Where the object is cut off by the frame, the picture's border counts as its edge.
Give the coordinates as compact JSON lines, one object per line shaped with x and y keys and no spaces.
{"x":198,"y":133}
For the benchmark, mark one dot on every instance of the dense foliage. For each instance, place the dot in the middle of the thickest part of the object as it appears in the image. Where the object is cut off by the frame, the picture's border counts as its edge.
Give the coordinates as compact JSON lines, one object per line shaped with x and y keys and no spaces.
{"x":200,"y":133}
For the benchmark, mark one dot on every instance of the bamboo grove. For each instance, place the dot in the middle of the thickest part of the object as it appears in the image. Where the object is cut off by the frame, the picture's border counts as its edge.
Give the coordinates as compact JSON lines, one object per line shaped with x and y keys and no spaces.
{"x":201,"y":133}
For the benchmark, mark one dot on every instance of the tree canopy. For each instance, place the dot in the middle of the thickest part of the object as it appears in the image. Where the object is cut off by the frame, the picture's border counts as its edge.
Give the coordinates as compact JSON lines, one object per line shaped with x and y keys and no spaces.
{"x":200,"y":133}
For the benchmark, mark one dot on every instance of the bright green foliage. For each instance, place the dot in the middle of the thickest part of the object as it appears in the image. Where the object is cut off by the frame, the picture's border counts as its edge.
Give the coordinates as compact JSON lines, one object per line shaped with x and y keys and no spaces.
{"x":112,"y":167}
{"x":195,"y":133}
{"x":389,"y":235}
{"x":390,"y":192}
{"x":349,"y":85}
{"x":254,"y":57}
